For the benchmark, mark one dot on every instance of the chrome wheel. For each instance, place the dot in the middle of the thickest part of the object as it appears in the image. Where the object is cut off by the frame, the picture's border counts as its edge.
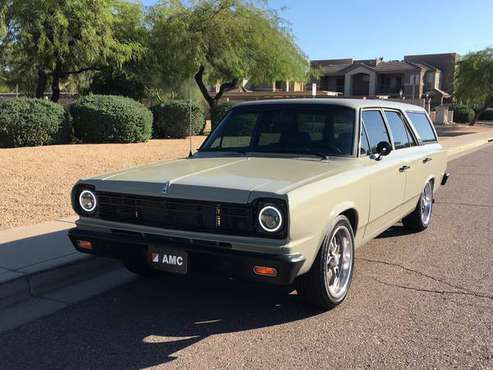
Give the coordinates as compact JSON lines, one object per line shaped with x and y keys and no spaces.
{"x":339,"y":262}
{"x":426,"y":204}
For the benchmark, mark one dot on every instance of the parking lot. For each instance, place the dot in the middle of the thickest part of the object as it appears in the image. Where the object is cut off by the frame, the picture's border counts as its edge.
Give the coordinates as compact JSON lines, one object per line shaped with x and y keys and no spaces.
{"x":417,"y":300}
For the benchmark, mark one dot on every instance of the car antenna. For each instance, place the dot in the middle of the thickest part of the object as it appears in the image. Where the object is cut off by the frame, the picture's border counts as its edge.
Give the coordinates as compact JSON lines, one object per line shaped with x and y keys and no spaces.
{"x":190,"y":123}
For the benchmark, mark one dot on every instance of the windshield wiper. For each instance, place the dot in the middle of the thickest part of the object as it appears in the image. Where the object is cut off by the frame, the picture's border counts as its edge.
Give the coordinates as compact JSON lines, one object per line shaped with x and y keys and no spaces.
{"x":222,"y":151}
{"x":321,"y":155}
{"x":293,"y":154}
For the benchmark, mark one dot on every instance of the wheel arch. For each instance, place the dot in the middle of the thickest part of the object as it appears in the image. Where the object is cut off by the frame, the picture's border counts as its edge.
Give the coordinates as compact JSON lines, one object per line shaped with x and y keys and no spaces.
{"x":353,"y":217}
{"x":347,"y":209}
{"x":431,"y":179}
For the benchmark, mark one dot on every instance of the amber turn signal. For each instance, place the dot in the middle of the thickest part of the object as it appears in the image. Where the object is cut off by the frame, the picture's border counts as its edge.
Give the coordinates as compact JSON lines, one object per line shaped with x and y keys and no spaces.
{"x":84,"y":244}
{"x":265,"y":271}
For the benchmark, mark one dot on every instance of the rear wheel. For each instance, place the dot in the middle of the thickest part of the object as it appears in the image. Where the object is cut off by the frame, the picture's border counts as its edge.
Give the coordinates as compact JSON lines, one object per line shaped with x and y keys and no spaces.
{"x":328,"y":281}
{"x":420,"y":219}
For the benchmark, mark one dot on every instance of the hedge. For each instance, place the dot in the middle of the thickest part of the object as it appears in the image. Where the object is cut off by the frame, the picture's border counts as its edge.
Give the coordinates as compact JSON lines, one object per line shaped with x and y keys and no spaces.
{"x":32,"y":122}
{"x":220,"y":111}
{"x":487,"y":116}
{"x":172,"y":119}
{"x":110,"y":119}
{"x":463,"y":114}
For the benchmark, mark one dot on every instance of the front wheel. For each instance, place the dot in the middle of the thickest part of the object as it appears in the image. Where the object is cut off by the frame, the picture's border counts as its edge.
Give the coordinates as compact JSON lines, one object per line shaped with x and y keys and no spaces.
{"x":328,"y":281}
{"x":420,"y":219}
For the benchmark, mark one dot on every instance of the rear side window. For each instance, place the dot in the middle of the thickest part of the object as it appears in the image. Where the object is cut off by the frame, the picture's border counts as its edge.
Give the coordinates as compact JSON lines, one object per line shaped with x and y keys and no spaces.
{"x":423,"y":126}
{"x":402,"y":137}
{"x":375,"y":128}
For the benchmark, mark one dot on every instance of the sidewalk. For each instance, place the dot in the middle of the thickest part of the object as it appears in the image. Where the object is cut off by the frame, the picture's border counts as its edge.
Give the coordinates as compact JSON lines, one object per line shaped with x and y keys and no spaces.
{"x":460,"y":140}
{"x":35,"y":260}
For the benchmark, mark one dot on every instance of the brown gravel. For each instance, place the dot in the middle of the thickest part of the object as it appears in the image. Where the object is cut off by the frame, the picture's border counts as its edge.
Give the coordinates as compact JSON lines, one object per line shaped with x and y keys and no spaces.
{"x":35,"y":182}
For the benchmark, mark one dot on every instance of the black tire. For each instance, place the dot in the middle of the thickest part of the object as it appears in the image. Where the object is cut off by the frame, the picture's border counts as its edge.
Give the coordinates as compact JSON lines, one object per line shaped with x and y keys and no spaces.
{"x":139,"y":265}
{"x":312,"y":286}
{"x":416,"y":221}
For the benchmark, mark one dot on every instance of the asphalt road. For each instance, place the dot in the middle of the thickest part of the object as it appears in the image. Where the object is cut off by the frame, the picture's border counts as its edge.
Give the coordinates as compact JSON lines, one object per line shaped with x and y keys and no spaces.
{"x":417,"y":300}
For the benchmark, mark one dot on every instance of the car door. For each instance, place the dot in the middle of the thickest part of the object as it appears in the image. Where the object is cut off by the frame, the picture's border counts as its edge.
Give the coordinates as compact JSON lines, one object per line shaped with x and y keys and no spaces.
{"x":387,"y":180}
{"x":411,"y":155}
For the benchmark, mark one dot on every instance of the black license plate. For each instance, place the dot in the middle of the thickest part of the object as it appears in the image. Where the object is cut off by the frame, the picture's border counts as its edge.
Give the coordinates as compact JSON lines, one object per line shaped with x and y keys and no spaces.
{"x":168,"y":259}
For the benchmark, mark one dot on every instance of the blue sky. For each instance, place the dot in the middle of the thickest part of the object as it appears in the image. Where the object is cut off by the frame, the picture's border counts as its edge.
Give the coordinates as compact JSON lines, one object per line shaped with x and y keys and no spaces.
{"x":387,"y":28}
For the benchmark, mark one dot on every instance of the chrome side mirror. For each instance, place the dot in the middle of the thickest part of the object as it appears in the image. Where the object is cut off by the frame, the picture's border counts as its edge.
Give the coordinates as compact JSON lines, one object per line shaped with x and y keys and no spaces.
{"x":383,"y":149}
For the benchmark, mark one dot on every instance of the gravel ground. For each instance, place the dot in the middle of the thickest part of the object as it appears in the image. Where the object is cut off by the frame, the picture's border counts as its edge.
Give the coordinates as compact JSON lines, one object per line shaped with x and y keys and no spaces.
{"x":36,"y":182}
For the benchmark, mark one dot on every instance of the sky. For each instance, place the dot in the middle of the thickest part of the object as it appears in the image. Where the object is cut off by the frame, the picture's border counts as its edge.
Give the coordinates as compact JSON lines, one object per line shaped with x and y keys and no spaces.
{"x":365,"y":29}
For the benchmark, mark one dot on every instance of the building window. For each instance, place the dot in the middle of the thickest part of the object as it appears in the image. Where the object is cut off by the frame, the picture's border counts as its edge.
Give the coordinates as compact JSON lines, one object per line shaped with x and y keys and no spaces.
{"x":340,"y":84}
{"x":324,"y":83}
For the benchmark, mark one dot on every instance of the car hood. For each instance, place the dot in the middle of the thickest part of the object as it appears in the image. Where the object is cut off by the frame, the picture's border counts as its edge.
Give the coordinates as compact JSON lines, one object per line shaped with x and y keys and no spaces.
{"x":227,"y":179}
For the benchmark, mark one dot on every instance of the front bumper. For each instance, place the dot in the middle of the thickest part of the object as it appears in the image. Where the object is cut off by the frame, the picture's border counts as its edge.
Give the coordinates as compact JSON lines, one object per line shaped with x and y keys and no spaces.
{"x":202,"y":254}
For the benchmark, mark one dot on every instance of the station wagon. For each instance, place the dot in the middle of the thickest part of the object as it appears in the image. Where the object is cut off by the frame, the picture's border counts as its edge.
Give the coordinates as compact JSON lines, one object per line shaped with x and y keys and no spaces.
{"x":280,"y":192}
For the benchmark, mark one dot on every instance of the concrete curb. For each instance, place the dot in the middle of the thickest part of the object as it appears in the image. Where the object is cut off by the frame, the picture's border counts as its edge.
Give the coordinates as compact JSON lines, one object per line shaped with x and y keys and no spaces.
{"x":22,"y":287}
{"x":459,"y":151}
{"x":69,"y":269}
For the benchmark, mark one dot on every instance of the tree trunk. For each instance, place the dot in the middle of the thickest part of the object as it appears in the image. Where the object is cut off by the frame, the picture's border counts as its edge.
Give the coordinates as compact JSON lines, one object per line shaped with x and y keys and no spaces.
{"x":480,"y":112}
{"x":55,"y":84}
{"x":213,"y":101}
{"x":41,"y":84}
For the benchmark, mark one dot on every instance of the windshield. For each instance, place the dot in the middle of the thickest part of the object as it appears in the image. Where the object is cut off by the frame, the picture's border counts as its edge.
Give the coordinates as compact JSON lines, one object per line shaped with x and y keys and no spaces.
{"x":318,"y":129}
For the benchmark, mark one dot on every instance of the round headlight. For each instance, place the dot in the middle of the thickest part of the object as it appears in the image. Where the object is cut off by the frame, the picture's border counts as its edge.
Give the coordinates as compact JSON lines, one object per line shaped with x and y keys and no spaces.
{"x":270,"y":218}
{"x":87,"y":201}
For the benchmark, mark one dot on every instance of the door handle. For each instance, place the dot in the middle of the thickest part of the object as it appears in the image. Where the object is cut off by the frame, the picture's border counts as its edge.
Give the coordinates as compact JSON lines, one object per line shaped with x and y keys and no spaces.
{"x":404,"y":168}
{"x":427,"y":159}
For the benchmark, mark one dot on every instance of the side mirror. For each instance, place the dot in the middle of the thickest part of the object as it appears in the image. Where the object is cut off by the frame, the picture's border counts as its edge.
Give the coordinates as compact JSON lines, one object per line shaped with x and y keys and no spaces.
{"x":383,"y":149}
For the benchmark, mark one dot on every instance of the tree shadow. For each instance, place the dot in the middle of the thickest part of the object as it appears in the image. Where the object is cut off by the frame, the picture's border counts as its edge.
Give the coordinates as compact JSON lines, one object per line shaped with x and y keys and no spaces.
{"x":145,"y":323}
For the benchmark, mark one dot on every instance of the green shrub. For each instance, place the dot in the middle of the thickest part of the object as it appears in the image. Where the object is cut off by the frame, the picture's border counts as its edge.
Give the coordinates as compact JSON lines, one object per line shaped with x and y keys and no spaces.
{"x":172,"y":119}
{"x":110,"y":119}
{"x":31,"y":122}
{"x":487,"y":116}
{"x":463,"y":113}
{"x":115,"y":82}
{"x":219,"y":112}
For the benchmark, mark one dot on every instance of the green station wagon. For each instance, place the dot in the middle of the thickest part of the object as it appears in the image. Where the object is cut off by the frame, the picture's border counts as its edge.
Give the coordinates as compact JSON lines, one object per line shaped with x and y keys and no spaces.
{"x":280,"y":192}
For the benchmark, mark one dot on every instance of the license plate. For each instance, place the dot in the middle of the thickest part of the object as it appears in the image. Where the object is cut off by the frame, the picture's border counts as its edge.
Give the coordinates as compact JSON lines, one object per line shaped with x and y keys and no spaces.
{"x":168,"y":259}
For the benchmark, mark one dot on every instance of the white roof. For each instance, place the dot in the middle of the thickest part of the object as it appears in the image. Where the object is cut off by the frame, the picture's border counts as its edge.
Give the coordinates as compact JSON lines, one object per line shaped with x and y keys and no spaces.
{"x":351,"y":103}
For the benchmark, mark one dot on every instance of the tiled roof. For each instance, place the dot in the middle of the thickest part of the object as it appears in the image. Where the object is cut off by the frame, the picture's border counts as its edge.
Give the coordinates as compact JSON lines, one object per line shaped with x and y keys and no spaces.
{"x":338,"y":67}
{"x":325,"y":62}
{"x":396,"y":66}
{"x":334,"y":68}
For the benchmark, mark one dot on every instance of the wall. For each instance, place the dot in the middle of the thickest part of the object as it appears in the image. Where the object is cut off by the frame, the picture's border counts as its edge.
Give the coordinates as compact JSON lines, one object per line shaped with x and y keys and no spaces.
{"x":445,"y":62}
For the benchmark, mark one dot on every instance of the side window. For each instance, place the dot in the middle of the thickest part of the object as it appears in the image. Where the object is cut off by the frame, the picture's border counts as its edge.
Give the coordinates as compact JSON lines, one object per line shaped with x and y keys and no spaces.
{"x":238,"y":134}
{"x":364,"y":148}
{"x":375,"y":128}
{"x":423,"y":127}
{"x":400,"y":133}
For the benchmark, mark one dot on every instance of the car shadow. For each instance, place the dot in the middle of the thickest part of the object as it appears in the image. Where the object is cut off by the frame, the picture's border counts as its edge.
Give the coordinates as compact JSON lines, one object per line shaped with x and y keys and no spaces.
{"x":396,"y":230}
{"x":147,"y":322}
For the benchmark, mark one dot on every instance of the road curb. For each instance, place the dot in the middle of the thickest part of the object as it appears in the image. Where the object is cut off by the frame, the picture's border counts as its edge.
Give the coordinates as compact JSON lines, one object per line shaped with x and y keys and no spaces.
{"x":461,"y":150}
{"x":36,"y":284}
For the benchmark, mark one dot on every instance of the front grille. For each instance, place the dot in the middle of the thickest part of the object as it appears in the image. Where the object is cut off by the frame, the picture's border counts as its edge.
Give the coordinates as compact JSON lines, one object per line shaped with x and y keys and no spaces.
{"x":176,"y":214}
